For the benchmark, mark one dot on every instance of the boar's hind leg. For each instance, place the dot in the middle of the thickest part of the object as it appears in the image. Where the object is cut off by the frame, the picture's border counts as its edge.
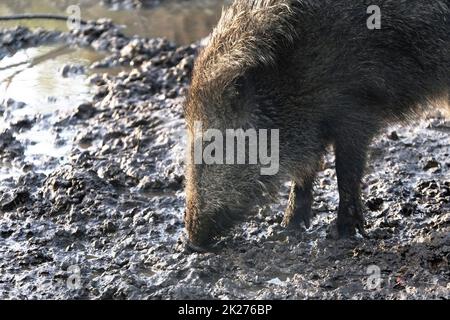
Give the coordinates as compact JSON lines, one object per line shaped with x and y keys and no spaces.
{"x":299,"y":204}
{"x":350,"y":163}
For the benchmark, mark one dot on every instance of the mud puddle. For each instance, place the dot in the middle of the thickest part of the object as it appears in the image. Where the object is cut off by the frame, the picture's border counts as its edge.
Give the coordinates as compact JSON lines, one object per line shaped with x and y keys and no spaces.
{"x":38,"y":86}
{"x":107,"y":223}
{"x":181,"y":21}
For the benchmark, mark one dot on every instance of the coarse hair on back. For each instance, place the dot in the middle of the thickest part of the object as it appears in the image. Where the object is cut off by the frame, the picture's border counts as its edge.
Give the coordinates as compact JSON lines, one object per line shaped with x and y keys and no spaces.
{"x":249,"y":34}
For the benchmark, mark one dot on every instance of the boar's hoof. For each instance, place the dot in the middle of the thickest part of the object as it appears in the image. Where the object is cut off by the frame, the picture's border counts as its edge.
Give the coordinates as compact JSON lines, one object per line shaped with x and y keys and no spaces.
{"x":192,"y":248}
{"x":299,"y":206}
{"x":349,"y":220}
{"x":189,"y":247}
{"x":293,"y":218}
{"x":195,"y":249}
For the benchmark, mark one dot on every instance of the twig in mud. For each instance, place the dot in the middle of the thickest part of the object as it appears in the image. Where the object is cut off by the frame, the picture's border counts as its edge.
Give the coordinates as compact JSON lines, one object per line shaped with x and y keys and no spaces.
{"x":32,"y":63}
{"x":14,"y":65}
{"x":445,"y":127}
{"x":39,"y":59}
{"x":39,"y":16}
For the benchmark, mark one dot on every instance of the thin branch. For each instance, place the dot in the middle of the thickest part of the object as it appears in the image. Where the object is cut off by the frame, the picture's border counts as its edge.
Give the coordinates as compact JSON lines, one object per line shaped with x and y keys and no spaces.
{"x":42,"y":16}
{"x":32,"y":63}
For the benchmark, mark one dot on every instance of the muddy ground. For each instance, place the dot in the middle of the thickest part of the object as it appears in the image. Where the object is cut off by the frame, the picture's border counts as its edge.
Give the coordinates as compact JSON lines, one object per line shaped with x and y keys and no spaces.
{"x":106,"y":224}
{"x":133,"y":4}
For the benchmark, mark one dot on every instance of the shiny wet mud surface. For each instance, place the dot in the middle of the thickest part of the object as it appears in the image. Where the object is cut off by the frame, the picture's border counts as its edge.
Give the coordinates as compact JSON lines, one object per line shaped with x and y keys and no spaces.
{"x":182,"y":21}
{"x":91,"y":196}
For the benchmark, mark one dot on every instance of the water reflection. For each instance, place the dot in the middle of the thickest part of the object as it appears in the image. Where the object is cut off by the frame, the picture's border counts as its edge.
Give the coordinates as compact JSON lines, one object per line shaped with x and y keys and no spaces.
{"x":33,"y":76}
{"x":181,"y":21}
{"x":42,"y":80}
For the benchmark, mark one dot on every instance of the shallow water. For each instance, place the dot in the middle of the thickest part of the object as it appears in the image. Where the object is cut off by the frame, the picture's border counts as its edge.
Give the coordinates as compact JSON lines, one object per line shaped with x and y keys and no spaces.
{"x":37,"y":72}
{"x":33,"y":77}
{"x":116,"y":212}
{"x":181,"y":21}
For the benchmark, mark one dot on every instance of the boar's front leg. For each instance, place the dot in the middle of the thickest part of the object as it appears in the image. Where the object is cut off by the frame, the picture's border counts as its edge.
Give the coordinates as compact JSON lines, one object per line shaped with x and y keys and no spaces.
{"x":299,"y":204}
{"x":351,"y":152}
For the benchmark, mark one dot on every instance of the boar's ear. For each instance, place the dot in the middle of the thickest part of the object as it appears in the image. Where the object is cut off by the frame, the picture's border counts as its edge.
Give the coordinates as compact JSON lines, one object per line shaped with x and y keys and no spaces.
{"x":240,"y":83}
{"x":241,"y":86}
{"x":240,"y":93}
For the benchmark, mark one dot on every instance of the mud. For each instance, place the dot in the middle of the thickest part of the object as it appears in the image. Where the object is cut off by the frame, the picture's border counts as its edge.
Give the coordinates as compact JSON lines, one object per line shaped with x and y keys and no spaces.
{"x":182,"y":21}
{"x":132,"y":4}
{"x":104,"y":219}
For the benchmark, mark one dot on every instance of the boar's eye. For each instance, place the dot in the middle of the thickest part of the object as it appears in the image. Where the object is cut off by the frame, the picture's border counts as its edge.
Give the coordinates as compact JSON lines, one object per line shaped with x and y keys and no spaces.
{"x":241,"y":85}
{"x":236,"y":88}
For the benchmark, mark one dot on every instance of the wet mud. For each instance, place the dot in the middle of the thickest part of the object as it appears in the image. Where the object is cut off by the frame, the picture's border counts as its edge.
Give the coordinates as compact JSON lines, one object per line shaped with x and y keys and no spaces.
{"x":102,"y":217}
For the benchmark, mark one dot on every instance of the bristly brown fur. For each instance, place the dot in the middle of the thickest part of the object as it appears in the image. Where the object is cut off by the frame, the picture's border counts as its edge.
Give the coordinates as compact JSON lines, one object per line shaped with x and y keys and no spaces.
{"x":315,"y":71}
{"x":245,"y":28}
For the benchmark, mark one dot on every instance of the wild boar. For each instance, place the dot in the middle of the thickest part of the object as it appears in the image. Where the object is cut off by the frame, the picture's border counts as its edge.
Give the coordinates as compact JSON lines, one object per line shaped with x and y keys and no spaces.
{"x":316,"y":71}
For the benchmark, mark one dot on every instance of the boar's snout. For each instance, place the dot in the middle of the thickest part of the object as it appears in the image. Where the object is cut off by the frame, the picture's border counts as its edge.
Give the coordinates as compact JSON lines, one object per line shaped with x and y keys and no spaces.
{"x":194,"y":248}
{"x":200,"y":230}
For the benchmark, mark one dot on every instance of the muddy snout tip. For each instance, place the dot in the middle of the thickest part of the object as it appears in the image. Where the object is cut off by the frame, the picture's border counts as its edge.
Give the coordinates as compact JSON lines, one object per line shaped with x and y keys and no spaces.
{"x":191,"y":247}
